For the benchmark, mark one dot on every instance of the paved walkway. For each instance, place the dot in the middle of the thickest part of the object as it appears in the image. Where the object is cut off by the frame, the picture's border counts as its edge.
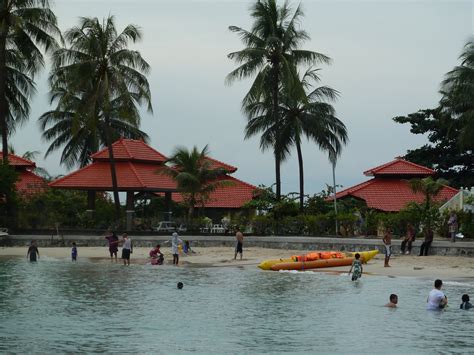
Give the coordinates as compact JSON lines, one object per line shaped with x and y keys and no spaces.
{"x":439,"y":246}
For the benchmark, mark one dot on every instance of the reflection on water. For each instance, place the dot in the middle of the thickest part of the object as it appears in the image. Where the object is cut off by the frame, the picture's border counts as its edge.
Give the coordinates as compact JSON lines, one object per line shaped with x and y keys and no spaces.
{"x":59,"y":306}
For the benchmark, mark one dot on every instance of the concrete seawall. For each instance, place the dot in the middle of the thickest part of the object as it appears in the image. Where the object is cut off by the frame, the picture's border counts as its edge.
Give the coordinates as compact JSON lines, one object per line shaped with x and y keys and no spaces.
{"x":439,"y":246}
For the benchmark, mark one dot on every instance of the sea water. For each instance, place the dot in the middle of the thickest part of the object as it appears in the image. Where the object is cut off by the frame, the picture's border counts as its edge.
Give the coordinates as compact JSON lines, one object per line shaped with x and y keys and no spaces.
{"x":56,"y":306}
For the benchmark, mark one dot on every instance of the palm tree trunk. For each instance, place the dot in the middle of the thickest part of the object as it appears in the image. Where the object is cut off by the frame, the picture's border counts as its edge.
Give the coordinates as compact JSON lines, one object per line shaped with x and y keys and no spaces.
{"x":277,"y":130}
{"x":3,"y":86}
{"x":300,"y":165}
{"x":113,"y":171}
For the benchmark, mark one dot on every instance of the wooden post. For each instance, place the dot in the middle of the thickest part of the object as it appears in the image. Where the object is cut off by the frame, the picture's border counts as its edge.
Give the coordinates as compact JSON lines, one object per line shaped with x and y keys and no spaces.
{"x":167,"y":213}
{"x":91,"y":204}
{"x":130,"y":209}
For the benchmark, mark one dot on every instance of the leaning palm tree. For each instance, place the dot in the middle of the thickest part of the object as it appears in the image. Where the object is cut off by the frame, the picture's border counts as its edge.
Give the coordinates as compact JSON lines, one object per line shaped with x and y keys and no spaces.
{"x":194,"y":175}
{"x":458,"y":93}
{"x":96,"y":81}
{"x":271,"y":54}
{"x":25,"y":27}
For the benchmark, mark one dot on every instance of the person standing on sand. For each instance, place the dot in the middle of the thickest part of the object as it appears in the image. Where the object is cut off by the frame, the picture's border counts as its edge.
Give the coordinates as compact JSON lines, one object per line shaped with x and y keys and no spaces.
{"x":33,"y":253}
{"x":127,"y":249}
{"x":175,"y":242}
{"x":453,"y":226}
{"x":425,"y":246}
{"x":74,"y":252}
{"x":409,"y":239}
{"x":113,"y":245}
{"x":436,"y":299}
{"x":393,"y":301}
{"x":387,"y":241}
{"x":240,"y":244}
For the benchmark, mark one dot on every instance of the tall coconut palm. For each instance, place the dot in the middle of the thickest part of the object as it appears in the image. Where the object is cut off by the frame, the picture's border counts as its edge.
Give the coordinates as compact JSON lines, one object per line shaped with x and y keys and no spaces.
{"x":25,"y":27}
{"x":97,"y":80}
{"x":271,"y":54}
{"x":458,"y":95}
{"x":311,"y":115}
{"x":194,"y":175}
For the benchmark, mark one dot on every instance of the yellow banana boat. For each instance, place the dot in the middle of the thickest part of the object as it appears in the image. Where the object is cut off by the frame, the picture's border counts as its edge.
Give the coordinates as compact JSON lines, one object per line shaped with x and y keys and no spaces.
{"x":326,"y":259}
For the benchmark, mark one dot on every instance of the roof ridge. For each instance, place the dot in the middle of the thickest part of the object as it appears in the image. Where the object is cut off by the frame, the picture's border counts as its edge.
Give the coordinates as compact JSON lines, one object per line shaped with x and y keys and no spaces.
{"x":125,"y":147}
{"x":32,"y":163}
{"x":136,"y":173}
{"x":355,"y":187}
{"x":221,"y":162}
{"x":392,"y":162}
{"x":243,"y":182}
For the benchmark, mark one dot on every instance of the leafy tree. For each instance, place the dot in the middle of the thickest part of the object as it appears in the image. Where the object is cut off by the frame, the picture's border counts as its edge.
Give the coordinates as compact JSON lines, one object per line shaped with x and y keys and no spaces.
{"x":449,"y":127}
{"x":25,"y":26}
{"x":194,"y":175}
{"x":98,"y":83}
{"x":458,"y":96}
{"x":271,"y":54}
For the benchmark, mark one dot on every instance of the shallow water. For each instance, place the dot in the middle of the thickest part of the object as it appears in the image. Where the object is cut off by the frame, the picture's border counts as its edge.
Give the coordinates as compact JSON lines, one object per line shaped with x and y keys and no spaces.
{"x":57,"y":306}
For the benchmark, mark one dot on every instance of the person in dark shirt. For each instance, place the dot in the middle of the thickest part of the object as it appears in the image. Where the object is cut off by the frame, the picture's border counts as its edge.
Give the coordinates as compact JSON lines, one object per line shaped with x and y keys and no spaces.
{"x":465,"y":302}
{"x":74,"y":252}
{"x":425,"y":246}
{"x":33,"y":253}
{"x":113,"y":245}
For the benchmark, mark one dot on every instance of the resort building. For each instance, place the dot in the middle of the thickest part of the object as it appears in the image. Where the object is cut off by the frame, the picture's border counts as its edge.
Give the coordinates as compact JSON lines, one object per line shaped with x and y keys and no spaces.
{"x":28,"y":182}
{"x":138,"y":172}
{"x":389,"y":189}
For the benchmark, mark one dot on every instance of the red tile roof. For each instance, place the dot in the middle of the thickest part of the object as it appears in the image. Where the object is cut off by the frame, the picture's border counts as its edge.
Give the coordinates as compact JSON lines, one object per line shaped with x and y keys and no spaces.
{"x":130,"y":150}
{"x":131,"y":176}
{"x":215,"y":164}
{"x":15,"y":160}
{"x":400,"y":166}
{"x":233,"y":196}
{"x":391,"y":195}
{"x":29,"y":183}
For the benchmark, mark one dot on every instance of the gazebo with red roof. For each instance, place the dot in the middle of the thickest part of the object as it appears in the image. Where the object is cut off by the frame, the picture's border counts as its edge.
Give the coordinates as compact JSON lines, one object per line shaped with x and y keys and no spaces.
{"x":389,"y":190}
{"x":137,"y":167}
{"x":28,"y":182}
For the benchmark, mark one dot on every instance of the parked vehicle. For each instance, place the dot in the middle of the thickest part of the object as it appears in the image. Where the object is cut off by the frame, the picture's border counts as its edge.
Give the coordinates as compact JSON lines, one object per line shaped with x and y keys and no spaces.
{"x":166,"y":226}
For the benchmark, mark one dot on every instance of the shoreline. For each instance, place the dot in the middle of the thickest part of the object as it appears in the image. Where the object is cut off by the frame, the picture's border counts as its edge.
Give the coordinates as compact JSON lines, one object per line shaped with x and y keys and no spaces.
{"x":426,"y":267}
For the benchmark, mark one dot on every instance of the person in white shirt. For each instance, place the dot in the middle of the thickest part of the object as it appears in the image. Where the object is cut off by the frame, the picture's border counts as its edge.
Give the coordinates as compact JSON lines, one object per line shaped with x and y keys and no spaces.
{"x":436,"y":299}
{"x":175,"y":242}
{"x":127,"y":248}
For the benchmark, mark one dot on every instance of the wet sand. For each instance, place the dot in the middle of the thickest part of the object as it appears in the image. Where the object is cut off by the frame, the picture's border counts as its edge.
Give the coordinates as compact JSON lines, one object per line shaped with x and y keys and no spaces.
{"x":447,"y":267}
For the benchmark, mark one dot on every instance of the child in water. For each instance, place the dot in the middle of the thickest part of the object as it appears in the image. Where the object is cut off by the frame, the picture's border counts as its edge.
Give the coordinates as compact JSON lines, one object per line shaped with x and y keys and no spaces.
{"x":33,"y":253}
{"x":74,"y":252}
{"x":357,"y":266}
{"x":465,"y":302}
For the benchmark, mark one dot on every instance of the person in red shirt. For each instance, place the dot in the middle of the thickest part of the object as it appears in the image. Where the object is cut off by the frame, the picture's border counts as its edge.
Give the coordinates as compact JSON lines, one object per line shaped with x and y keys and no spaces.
{"x":156,"y":255}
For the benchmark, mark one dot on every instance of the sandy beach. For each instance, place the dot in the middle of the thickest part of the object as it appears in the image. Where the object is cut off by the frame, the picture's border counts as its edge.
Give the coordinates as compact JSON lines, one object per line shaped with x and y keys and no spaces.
{"x":447,"y":267}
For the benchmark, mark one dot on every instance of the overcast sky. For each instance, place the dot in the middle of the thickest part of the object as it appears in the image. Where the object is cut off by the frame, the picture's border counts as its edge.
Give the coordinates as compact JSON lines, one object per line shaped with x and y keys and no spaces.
{"x":388,"y":59}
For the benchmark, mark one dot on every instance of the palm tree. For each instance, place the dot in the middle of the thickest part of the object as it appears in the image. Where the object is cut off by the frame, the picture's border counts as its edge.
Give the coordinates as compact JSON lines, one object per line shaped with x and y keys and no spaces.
{"x":88,"y":135}
{"x":98,"y":83}
{"x":307,"y":115}
{"x":195,"y":177}
{"x":458,"y":94}
{"x":430,"y":188}
{"x":271,"y":55}
{"x":25,"y":25}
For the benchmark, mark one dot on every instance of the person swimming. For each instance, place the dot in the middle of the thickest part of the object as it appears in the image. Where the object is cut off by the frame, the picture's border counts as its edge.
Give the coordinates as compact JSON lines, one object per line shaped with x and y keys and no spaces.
{"x":465,"y":302}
